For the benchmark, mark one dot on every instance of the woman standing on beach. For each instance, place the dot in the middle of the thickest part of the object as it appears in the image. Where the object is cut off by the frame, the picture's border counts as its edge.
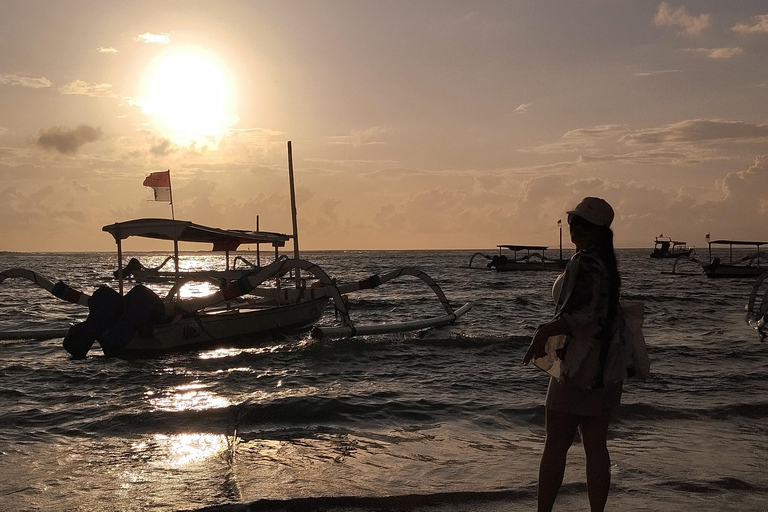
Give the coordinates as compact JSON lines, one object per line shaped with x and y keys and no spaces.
{"x":587,"y":297}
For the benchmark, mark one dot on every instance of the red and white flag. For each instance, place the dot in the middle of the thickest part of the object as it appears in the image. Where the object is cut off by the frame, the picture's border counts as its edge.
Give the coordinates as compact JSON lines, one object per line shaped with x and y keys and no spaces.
{"x":161,"y":185}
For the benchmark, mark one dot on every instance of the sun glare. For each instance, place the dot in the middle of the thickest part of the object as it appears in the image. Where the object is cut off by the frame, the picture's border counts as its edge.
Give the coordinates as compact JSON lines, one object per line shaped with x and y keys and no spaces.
{"x":189,"y":95}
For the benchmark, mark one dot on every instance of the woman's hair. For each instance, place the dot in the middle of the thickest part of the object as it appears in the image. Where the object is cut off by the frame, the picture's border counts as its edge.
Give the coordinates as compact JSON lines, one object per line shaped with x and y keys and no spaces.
{"x":606,"y":252}
{"x":604,"y":248}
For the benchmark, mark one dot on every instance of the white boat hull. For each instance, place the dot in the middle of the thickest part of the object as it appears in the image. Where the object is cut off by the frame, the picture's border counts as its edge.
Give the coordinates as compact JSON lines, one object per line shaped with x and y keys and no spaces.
{"x":212,"y":328}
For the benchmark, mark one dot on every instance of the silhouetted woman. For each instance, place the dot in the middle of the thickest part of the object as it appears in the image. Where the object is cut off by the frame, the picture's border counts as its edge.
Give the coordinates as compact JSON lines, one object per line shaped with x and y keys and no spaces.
{"x":587,"y":297}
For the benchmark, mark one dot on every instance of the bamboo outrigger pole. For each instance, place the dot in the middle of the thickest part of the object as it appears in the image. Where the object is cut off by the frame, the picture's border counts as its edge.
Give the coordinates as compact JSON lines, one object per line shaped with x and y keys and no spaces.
{"x":293,"y":214}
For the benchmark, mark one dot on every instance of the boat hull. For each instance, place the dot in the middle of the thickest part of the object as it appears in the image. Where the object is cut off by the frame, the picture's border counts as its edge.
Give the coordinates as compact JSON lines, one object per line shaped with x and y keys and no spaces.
{"x":241,"y":326}
{"x":660,"y":255}
{"x":513,"y":266}
{"x":733,"y":271}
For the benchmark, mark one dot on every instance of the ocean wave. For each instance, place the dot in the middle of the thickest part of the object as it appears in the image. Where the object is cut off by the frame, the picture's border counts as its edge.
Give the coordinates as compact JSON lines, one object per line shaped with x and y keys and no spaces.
{"x":462,"y":500}
{"x":717,"y":485}
{"x":648,"y":412}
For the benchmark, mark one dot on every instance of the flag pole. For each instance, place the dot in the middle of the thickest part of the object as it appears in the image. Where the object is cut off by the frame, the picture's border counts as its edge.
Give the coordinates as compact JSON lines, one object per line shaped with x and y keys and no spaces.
{"x":170,"y":193}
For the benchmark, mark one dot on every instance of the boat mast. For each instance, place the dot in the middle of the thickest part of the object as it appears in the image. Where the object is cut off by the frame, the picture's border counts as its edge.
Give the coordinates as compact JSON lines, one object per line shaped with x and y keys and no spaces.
{"x":293,"y":214}
{"x":258,"y":246}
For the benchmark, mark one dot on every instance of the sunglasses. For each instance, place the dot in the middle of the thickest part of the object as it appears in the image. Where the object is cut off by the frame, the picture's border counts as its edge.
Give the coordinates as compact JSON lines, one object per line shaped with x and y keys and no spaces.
{"x":575,"y":220}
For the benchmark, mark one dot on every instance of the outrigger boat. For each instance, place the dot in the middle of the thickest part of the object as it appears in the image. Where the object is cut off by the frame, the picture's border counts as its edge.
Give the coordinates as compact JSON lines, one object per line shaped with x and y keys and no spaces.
{"x":757,"y":313}
{"x":259,"y":303}
{"x":528,"y":261}
{"x":751,"y":265}
{"x":665,"y":247}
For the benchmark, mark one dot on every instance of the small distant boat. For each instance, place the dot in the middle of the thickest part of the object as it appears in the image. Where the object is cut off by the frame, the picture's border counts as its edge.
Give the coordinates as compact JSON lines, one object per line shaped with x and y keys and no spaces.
{"x":531,"y":260}
{"x":749,"y":266}
{"x":665,"y":247}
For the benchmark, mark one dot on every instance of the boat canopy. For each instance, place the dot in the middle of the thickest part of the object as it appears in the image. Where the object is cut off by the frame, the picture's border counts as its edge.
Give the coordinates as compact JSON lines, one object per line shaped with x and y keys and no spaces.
{"x":187,"y":231}
{"x":523,"y":247}
{"x":736,"y":242}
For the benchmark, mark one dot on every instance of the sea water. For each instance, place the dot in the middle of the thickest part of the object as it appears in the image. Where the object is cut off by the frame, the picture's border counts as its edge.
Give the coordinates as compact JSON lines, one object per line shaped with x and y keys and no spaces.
{"x":439,"y":419}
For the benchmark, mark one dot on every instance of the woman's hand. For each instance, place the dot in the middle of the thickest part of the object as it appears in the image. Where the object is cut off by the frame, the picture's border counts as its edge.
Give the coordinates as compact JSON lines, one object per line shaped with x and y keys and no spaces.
{"x":537,"y":347}
{"x":540,"y":337}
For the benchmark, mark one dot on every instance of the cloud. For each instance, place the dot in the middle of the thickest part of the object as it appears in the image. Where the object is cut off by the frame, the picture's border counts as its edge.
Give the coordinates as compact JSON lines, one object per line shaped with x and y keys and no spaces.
{"x":717,"y":53}
{"x":667,"y":16}
{"x":24,"y":81}
{"x":81,"y":88}
{"x":749,"y":182}
{"x":660,"y":72}
{"x":352,"y":162}
{"x":759,"y":27}
{"x":583,"y":139}
{"x":68,"y":141}
{"x":598,"y":132}
{"x":523,"y":108}
{"x":162,"y":148}
{"x":637,"y":157}
{"x":107,"y":49}
{"x":698,"y":131}
{"x":360,"y":137}
{"x":742,"y":211}
{"x":153,"y":38}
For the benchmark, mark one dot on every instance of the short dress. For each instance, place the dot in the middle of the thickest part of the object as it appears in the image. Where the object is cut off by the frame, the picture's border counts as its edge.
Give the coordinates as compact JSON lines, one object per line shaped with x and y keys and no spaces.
{"x":581,"y":294}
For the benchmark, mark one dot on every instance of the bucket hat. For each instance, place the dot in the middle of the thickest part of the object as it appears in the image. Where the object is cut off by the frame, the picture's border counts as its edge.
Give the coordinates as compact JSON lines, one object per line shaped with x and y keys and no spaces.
{"x":594,"y":210}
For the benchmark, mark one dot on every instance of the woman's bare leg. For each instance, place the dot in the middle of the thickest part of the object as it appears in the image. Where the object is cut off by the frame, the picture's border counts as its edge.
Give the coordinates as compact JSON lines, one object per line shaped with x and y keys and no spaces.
{"x":560,"y":428}
{"x":594,"y":432}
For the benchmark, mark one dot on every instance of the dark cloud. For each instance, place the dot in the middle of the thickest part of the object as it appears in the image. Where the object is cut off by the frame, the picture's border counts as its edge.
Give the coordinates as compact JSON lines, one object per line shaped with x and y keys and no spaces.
{"x":162,"y":148}
{"x":68,"y":141}
{"x":700,"y":130}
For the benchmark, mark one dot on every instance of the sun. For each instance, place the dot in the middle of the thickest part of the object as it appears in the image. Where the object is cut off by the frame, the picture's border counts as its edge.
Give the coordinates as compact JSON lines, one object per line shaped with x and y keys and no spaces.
{"x":189,"y":95}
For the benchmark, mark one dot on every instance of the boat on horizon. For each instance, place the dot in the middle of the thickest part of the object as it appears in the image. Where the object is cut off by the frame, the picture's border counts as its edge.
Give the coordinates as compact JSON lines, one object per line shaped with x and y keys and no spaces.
{"x":665,"y":247}
{"x":748,"y":266}
{"x":534,"y":259}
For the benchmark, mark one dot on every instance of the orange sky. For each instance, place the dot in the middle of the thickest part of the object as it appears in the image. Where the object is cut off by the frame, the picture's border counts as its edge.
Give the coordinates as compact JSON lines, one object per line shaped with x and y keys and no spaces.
{"x":415,"y":125}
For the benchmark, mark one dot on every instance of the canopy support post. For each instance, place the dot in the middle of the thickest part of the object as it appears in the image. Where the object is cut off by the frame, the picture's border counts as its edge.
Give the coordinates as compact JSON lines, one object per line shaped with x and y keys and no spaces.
{"x":293,"y":214}
{"x":119,"y":259}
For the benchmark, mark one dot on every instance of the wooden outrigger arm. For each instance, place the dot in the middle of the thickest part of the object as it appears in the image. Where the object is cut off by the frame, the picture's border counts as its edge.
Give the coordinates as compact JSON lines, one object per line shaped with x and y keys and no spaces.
{"x":60,"y":289}
{"x":757,"y":317}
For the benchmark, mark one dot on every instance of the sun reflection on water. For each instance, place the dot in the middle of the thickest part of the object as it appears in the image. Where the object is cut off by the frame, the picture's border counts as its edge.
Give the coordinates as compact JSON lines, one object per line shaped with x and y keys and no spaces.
{"x":181,"y":449}
{"x":188,"y":397}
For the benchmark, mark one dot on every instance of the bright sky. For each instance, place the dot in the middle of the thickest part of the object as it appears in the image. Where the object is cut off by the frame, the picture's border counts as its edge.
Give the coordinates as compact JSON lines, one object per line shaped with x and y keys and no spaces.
{"x":430,"y":124}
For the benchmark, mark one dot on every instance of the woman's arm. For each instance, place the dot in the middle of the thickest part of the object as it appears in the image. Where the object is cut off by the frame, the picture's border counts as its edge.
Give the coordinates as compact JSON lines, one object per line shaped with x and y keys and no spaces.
{"x":542,"y":334}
